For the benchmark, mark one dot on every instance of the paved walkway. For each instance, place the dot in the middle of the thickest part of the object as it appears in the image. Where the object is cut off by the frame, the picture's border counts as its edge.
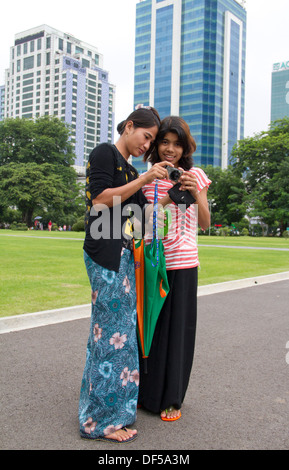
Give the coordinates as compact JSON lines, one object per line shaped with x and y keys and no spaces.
{"x":238,"y":394}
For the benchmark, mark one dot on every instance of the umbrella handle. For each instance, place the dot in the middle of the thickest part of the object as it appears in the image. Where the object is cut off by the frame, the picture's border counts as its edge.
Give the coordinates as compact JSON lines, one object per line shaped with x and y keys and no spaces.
{"x":155,"y":224}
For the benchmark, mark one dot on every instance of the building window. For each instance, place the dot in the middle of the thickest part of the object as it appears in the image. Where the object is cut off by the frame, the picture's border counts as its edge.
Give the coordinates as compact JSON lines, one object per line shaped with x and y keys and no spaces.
{"x":28,"y":63}
{"x":68,"y":48}
{"x":48,"y":42}
{"x":27,"y":110}
{"x":27,"y":96}
{"x":78,"y":50}
{"x":38,"y":60}
{"x":25,"y":48}
{"x":27,"y":89}
{"x":28,"y":82}
{"x":31,"y":46}
{"x":27,"y":103}
{"x":85,"y":63}
{"x":18,"y":50}
{"x":18,"y":66}
{"x":48,"y":58}
{"x":38,"y":44}
{"x":60,"y":44}
{"x":28,"y":75}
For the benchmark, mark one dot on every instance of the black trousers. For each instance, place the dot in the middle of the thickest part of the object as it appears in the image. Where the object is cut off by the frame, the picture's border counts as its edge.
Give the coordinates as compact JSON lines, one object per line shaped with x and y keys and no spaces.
{"x":171,"y":356}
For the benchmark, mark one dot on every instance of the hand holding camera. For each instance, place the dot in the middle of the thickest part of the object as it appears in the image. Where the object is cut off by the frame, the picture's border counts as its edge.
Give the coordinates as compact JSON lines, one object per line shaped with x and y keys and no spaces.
{"x":157,"y":171}
{"x":181,"y":192}
{"x":189,"y":182}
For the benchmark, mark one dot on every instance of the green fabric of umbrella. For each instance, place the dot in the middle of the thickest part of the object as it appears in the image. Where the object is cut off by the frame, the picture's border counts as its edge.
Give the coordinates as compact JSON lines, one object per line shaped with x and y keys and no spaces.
{"x":152,"y":284}
{"x":156,"y":288}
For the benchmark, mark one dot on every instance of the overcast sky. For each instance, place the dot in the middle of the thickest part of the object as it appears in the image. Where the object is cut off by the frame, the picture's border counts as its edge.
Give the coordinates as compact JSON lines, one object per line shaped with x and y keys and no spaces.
{"x":110,"y":26}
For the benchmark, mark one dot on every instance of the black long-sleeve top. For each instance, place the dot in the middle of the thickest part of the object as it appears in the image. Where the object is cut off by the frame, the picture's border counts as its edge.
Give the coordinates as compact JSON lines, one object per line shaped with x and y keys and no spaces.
{"x":106,"y":230}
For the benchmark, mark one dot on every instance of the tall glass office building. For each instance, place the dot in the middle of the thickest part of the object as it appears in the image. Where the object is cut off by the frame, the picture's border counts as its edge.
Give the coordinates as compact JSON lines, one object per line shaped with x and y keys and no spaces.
{"x":190,"y":61}
{"x":280,"y":91}
{"x":53,"y":73}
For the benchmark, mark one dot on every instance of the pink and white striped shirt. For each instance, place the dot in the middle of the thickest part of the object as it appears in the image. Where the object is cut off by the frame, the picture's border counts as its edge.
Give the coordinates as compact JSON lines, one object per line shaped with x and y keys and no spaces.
{"x":180,"y":244}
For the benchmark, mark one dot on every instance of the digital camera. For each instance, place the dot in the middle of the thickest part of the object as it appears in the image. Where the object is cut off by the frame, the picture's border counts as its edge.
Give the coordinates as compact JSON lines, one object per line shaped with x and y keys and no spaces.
{"x":174,"y":173}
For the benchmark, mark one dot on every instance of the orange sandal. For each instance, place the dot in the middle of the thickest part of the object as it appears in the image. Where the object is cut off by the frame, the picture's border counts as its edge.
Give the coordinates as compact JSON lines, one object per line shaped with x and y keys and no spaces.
{"x":171,"y":408}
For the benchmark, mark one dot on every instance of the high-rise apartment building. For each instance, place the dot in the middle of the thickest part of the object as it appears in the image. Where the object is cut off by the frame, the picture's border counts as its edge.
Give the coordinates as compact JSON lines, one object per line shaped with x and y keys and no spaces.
{"x":2,"y":100}
{"x":190,"y":61}
{"x":53,"y":73}
{"x":280,"y":91}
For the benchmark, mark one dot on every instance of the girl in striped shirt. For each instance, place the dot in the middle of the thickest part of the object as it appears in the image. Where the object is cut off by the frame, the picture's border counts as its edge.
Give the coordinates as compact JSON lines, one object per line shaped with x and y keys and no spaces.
{"x":163,"y":388}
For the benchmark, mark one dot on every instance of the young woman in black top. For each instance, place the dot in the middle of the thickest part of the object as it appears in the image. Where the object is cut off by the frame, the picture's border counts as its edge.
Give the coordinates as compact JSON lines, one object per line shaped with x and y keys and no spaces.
{"x":109,"y":389}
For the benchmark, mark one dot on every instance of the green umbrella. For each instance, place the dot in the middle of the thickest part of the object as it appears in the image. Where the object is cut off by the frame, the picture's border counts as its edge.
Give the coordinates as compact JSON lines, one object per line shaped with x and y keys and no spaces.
{"x":152,"y":285}
{"x":156,"y":288}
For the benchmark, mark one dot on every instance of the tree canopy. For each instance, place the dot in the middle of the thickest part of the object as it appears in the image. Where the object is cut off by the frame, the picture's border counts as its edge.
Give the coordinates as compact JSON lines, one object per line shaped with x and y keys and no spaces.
{"x":263,"y":163}
{"x":45,"y":140}
{"x":35,"y":167}
{"x":226,"y":196}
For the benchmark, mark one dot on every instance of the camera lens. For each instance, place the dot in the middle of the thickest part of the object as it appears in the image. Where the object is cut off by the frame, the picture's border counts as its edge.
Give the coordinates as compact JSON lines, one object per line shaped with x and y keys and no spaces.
{"x":175,"y":174}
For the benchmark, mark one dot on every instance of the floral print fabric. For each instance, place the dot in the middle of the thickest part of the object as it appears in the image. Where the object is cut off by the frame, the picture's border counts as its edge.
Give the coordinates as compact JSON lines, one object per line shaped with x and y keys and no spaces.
{"x":109,"y":389}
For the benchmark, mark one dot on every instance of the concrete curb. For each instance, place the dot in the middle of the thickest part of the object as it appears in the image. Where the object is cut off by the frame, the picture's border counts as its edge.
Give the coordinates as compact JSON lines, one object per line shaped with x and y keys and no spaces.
{"x":47,"y":317}
{"x":50,"y":317}
{"x":242,"y":283}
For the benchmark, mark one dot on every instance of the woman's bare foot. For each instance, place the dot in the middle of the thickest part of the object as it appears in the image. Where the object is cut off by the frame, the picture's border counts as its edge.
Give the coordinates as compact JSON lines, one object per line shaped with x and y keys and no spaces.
{"x":171,"y":413}
{"x":122,"y":434}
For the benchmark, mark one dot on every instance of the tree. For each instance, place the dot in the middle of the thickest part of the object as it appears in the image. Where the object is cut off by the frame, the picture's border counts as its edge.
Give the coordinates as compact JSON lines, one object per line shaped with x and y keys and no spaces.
{"x":263,"y":162}
{"x":227,"y":191}
{"x":35,"y":168}
{"x":45,"y":140}
{"x":31,"y":187}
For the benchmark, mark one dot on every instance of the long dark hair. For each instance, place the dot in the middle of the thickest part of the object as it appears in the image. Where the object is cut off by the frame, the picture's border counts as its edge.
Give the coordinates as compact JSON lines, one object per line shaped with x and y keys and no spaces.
{"x":178,"y":126}
{"x":141,"y":117}
{"x":145,"y":117}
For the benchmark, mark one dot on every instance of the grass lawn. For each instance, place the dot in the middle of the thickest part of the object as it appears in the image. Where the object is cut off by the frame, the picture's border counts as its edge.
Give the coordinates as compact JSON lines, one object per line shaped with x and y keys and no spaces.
{"x":269,"y":242}
{"x":41,"y":273}
{"x":228,"y":264}
{"x":42,"y":270}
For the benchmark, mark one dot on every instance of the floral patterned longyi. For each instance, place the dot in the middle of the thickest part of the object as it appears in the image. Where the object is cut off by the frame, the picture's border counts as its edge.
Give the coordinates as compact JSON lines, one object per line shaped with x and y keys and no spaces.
{"x":109,"y":389}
